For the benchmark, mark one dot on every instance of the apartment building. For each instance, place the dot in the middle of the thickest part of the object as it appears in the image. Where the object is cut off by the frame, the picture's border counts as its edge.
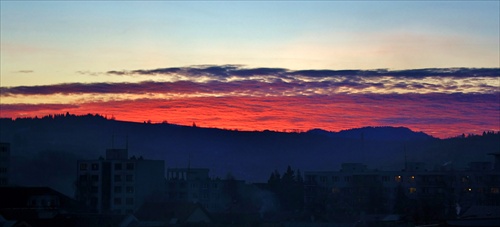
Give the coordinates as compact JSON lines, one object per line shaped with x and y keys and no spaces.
{"x":118,"y":183}
{"x":357,"y":187}
{"x":194,"y":185}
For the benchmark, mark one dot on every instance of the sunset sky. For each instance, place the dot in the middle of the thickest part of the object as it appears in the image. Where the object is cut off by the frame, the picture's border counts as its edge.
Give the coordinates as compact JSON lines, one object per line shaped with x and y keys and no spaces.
{"x":281,"y":65}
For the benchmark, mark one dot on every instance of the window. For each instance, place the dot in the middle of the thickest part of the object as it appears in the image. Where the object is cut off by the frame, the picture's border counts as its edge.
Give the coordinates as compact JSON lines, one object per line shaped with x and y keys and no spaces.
{"x":347,"y":179}
{"x":95,"y":166}
{"x":495,"y":190}
{"x":322,"y":179}
{"x":130,"y":166}
{"x":130,"y":189}
{"x":335,"y":178}
{"x":130,"y":201}
{"x":94,"y":189}
{"x":118,"y":189}
{"x":118,"y":178}
{"x":83,"y":178}
{"x":412,"y":190}
{"x":397,"y":178}
{"x":129,"y":178}
{"x":93,"y":202}
{"x":83,"y":166}
{"x":95,"y":178}
{"x":117,"y":201}
{"x":335,"y":190}
{"x":118,"y":166}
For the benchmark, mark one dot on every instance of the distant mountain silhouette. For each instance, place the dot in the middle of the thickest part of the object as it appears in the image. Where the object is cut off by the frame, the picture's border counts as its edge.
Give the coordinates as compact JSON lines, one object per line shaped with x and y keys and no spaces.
{"x":384,"y":133}
{"x":44,"y":150}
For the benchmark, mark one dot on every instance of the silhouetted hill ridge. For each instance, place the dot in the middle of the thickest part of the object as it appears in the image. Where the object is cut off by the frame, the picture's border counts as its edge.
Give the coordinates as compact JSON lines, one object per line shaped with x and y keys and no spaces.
{"x":381,"y":133}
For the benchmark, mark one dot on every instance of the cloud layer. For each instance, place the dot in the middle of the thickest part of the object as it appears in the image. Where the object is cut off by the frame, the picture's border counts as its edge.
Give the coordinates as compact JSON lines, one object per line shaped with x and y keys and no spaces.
{"x":237,"y":81}
{"x":441,"y":102}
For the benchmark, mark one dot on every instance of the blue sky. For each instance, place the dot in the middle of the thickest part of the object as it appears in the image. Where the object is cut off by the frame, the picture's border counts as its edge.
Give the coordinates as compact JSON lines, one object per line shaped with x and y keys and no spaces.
{"x":56,"y":38}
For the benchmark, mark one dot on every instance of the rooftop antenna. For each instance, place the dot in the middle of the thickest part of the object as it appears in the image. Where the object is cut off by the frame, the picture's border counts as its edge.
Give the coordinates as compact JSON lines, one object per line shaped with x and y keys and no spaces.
{"x":406,"y":162}
{"x":113,"y":140}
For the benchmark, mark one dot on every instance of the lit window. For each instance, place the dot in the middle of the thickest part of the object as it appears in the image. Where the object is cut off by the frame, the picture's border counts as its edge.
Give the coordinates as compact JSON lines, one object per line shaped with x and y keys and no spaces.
{"x":412,"y":190}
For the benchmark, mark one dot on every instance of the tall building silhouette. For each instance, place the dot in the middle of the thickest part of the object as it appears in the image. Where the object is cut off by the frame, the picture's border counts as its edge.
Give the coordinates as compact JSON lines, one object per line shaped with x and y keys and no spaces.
{"x":119,"y":184}
{"x":4,"y":163}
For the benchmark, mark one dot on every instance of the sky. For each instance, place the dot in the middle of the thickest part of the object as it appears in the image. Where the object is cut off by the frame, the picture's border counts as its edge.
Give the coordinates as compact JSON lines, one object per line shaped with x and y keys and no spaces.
{"x":432,"y":66}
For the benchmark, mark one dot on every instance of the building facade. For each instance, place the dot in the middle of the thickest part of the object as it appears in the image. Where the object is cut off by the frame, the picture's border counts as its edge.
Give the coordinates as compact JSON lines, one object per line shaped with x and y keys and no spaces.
{"x":194,"y":185}
{"x":4,"y":163}
{"x":357,"y":189}
{"x":118,"y":183}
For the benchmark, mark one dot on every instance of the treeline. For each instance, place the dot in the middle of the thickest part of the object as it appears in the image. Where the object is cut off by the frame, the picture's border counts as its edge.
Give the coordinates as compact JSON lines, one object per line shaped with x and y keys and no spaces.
{"x":288,"y":188}
{"x":66,"y":116}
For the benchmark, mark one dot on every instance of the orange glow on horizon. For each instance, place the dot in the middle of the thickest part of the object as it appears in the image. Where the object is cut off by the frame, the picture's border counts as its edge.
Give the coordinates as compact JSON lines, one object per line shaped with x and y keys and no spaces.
{"x":299,"y":113}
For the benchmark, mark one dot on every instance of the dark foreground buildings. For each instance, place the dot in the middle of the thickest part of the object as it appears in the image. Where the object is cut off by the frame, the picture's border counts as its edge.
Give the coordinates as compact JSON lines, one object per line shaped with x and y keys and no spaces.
{"x":416,"y":193}
{"x":4,"y":163}
{"x":119,"y":184}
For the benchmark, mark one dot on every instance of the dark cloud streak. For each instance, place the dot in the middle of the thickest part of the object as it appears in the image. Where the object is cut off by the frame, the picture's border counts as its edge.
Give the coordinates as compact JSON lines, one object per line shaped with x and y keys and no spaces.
{"x":225,"y":71}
